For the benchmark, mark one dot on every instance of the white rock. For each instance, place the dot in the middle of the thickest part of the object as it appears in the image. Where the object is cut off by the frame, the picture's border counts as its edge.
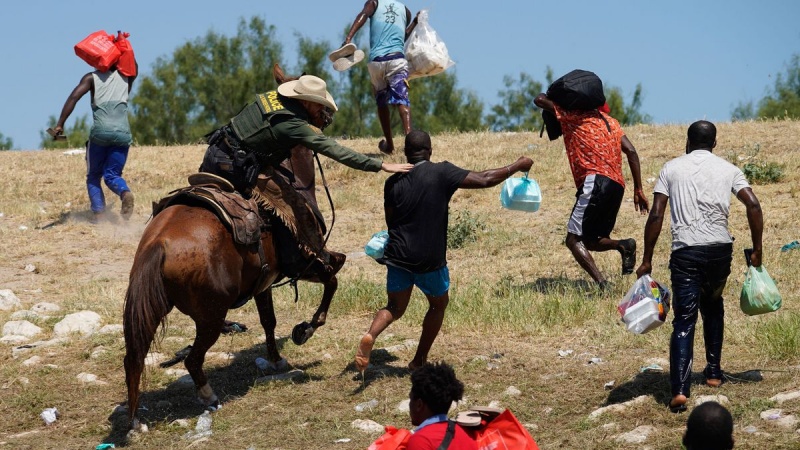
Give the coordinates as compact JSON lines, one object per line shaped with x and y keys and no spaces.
{"x":153,"y":358}
{"x":45,"y":308}
{"x":17,"y":351}
{"x":638,"y":435}
{"x":32,"y":361}
{"x":185,"y":380}
{"x":20,"y":328}
{"x":25,"y":314}
{"x":220,"y":356}
{"x":176,"y":372}
{"x":404,"y":406}
{"x":512,"y":391}
{"x":83,"y":322}
{"x":785,"y":397}
{"x":183,"y":423}
{"x":23,"y":227}
{"x":406,"y":345}
{"x":618,"y":407}
{"x":367,"y":426}
{"x":97,"y":352}
{"x":90,"y":378}
{"x":495,"y":404}
{"x":777,"y":417}
{"x":111,"y":329}
{"x":8,"y":300}
{"x":14,"y":339}
{"x":721,"y":399}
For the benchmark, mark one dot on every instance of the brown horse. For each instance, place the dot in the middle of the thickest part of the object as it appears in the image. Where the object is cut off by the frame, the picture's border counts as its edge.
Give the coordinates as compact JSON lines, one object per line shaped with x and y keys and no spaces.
{"x":187,"y":260}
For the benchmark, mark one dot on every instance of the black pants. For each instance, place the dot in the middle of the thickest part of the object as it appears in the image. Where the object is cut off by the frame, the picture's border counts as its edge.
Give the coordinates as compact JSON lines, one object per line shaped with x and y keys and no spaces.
{"x":698,"y":275}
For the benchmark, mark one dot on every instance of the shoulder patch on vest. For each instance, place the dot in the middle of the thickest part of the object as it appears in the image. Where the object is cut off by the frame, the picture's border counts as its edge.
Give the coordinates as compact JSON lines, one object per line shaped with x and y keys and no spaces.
{"x":269,"y":102}
{"x":314,"y":129}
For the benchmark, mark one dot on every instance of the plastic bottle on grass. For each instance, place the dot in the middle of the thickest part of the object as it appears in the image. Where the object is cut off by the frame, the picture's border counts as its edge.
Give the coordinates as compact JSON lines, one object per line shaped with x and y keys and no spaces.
{"x":361,"y":407}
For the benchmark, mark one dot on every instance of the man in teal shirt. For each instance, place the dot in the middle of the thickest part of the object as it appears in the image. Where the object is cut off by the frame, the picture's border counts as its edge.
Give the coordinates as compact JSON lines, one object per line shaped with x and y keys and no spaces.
{"x":389,"y":26}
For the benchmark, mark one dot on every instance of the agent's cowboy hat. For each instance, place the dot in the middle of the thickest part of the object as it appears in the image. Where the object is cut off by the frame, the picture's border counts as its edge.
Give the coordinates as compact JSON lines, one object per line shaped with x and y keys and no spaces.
{"x":310,"y":88}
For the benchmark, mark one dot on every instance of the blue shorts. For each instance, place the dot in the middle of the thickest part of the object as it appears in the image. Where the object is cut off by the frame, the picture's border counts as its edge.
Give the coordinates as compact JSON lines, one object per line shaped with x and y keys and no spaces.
{"x":435,"y":283}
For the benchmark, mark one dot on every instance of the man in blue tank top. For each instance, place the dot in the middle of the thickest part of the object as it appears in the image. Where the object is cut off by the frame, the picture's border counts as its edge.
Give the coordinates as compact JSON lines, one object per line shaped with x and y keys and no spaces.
{"x":109,"y":137}
{"x":389,"y":26}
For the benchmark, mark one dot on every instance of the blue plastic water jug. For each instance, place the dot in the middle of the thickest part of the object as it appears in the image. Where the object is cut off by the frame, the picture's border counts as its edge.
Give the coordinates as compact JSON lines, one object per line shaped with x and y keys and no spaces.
{"x":521,"y":194}
{"x":377,"y":244}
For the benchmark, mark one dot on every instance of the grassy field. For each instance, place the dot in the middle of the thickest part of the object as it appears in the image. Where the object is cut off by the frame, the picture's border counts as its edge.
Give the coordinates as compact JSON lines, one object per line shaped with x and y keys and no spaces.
{"x":517,"y":298}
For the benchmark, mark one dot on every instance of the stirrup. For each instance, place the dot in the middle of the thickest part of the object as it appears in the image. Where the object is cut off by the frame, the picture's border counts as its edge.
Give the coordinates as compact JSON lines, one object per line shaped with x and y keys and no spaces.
{"x":205,"y":178}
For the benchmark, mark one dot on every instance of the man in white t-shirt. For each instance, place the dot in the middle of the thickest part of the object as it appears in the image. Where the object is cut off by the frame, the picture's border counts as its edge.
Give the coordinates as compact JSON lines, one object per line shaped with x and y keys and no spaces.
{"x":698,"y":186}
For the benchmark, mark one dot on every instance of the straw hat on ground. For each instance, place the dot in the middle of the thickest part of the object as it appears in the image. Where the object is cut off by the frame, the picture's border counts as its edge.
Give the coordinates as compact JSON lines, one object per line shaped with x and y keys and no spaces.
{"x":309,"y":88}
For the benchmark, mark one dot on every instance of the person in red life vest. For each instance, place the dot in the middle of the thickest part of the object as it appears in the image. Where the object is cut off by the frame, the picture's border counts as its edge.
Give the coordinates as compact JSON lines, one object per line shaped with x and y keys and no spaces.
{"x":434,"y":387}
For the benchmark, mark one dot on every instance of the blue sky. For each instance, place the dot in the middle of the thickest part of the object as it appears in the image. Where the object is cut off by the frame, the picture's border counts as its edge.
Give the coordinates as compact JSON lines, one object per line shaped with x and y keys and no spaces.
{"x":694,"y":59}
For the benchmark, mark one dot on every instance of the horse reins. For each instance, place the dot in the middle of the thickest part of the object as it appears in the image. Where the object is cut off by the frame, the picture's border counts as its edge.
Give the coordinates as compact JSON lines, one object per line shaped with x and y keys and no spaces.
{"x":293,"y":280}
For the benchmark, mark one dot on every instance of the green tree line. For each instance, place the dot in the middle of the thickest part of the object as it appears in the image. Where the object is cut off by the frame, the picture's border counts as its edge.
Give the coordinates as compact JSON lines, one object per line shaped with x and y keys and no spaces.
{"x":782,"y":100}
{"x":206,"y":81}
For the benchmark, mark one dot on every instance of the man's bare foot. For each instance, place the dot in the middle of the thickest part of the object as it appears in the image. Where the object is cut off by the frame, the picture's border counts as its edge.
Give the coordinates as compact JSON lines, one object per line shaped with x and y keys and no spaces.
{"x":384,"y":147}
{"x":363,"y":352}
{"x":678,"y":403}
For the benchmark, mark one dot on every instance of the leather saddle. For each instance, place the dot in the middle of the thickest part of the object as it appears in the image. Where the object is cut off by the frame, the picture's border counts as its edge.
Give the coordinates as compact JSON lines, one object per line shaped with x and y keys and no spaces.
{"x":238,"y":214}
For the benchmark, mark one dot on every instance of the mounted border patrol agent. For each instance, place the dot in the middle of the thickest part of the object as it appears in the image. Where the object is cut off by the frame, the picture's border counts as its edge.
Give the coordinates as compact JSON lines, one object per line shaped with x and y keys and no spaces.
{"x":248,"y":149}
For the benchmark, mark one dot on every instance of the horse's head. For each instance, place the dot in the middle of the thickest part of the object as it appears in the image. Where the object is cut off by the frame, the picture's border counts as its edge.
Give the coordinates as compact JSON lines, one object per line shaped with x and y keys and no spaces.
{"x":326,"y":114}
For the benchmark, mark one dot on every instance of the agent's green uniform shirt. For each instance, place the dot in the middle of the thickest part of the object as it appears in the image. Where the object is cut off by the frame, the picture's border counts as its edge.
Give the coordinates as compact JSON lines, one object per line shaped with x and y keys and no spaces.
{"x":273,"y":125}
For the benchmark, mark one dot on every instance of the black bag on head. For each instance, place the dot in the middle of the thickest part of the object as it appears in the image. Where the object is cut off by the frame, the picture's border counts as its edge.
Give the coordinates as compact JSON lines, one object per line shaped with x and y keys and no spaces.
{"x":579,"y":89}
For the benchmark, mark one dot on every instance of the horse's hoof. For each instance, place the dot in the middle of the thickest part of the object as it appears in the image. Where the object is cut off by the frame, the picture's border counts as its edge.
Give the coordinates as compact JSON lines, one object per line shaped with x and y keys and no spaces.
{"x":301,"y":332}
{"x":214,"y":406}
{"x":276,"y":367}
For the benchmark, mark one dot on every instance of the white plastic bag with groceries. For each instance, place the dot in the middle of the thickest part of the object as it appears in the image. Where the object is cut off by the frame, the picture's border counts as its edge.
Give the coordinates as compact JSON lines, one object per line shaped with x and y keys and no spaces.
{"x":645,"y":306}
{"x":425,"y":51}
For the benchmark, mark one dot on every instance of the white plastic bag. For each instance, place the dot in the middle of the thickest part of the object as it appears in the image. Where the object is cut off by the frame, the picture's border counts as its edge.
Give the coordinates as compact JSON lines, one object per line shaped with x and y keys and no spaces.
{"x":645,"y":306}
{"x":425,"y":51}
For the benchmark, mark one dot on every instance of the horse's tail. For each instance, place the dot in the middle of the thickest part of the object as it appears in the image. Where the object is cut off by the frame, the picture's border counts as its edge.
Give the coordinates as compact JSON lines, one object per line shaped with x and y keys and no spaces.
{"x":146,"y":307}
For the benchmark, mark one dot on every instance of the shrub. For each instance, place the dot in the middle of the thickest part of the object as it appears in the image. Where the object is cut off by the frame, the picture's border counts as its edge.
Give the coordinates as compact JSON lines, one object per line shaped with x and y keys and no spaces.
{"x":464,"y":229}
{"x":763,"y":172}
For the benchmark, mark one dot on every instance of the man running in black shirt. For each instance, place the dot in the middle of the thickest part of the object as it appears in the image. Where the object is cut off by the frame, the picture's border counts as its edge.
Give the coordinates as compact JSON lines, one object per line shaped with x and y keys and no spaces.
{"x":416,"y":207}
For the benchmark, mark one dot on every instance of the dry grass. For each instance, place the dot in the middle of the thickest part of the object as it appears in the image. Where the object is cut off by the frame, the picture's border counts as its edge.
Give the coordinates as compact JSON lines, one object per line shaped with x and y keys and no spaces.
{"x":517,"y":298}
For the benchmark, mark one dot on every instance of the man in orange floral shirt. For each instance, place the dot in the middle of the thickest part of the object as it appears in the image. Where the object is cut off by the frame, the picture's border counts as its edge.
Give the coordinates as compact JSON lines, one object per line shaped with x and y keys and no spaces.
{"x":595,"y":143}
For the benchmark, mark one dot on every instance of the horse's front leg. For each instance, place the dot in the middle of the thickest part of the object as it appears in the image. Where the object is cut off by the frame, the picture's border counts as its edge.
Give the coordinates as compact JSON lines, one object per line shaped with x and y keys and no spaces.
{"x":321,"y":315}
{"x":266,"y":313}
{"x":303,"y":331}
